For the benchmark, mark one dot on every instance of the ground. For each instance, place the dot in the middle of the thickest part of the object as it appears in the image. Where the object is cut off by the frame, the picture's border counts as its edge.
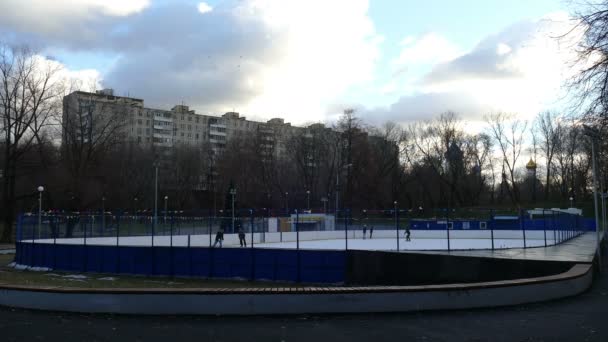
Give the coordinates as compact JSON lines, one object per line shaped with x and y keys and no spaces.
{"x":9,"y":275}
{"x":580,"y":318}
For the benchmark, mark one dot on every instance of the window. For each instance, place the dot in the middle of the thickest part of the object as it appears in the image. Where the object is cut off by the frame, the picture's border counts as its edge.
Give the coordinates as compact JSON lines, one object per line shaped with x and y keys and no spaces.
{"x":197,"y":119}
{"x":189,"y":118}
{"x":197,"y":136}
{"x":147,"y":131}
{"x":189,"y":127}
{"x":139,"y":130}
{"x":182,"y":134}
{"x":140,"y":114}
{"x":139,"y":121}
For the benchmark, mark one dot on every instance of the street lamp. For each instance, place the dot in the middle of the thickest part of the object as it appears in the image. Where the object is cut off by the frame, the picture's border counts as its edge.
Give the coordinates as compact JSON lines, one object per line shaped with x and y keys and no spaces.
{"x":338,"y":187}
{"x":233,"y":193}
{"x":571,"y":202}
{"x":40,"y":190}
{"x":396,"y":223}
{"x":287,"y":203}
{"x":156,"y":163}
{"x":592,"y":134}
{"x":166,"y":198}
{"x":103,"y":212}
{"x":308,"y":198}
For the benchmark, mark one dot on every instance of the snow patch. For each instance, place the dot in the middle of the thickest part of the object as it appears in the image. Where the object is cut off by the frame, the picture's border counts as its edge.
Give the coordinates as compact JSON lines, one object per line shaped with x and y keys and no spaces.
{"x":107,"y":278}
{"x":75,"y":276}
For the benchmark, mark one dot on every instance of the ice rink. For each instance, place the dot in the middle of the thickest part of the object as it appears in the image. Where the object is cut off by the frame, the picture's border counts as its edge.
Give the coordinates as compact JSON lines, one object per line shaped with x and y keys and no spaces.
{"x":336,"y":240}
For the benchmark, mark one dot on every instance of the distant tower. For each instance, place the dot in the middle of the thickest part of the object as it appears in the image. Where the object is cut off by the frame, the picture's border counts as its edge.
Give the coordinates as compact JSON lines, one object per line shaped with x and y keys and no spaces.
{"x":531,"y":175}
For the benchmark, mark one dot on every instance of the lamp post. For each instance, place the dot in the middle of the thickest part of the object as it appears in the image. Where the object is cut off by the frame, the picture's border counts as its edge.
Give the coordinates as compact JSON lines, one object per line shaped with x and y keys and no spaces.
{"x":287,"y":203}
{"x":308,"y":199}
{"x":571,"y":202}
{"x":397,"y":224}
{"x":592,"y":133}
{"x":40,"y":190}
{"x":166,"y":198}
{"x":103,"y":212}
{"x":233,"y":193}
{"x":338,"y":188}
{"x":155,"y":194}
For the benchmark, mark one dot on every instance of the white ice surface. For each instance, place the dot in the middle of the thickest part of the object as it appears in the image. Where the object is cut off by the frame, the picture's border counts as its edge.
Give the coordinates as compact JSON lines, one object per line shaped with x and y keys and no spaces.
{"x":334,"y":240}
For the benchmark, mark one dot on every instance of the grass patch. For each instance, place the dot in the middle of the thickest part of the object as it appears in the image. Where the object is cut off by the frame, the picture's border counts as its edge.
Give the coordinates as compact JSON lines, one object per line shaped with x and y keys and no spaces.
{"x":11,"y":276}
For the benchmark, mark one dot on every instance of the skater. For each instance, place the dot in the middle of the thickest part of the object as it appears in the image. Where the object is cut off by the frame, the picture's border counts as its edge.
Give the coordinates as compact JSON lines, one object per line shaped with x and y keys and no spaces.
{"x":242,"y":238}
{"x":364,"y":219}
{"x":219,"y":237}
{"x":407,"y":233}
{"x":371,"y":231}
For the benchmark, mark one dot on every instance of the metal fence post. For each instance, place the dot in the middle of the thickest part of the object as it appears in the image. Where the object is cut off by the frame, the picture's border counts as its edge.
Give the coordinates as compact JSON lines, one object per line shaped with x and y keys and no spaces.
{"x":84,"y":259}
{"x":252,"y":249}
{"x":522,"y":225}
{"x":210,"y":228}
{"x":345,"y":229}
{"x":447,"y":227}
{"x":545,"y":227}
{"x":189,"y":257}
{"x":397,"y":224}
{"x":492,"y":227}
{"x":298,"y":246}
{"x":553,"y":227}
{"x":117,"y":244}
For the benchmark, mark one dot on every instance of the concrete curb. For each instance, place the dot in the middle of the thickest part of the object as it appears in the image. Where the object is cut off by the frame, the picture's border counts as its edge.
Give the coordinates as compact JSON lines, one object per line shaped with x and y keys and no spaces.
{"x":250,"y":301}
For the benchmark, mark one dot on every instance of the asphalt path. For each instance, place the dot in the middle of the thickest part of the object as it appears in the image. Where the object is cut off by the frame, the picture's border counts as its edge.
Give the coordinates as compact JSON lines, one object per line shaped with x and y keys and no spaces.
{"x":580,"y":318}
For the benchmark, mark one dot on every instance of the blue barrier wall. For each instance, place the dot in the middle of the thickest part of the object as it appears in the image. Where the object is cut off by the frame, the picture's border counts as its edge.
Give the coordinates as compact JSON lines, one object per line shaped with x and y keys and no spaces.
{"x":560,"y":222}
{"x":309,"y":266}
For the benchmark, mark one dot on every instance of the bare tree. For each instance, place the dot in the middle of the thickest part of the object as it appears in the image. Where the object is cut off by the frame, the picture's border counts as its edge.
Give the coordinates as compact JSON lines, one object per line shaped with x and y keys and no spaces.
{"x":27,"y":102}
{"x":91,"y":128}
{"x":548,"y":125}
{"x":591,"y":83}
{"x":508,"y":133}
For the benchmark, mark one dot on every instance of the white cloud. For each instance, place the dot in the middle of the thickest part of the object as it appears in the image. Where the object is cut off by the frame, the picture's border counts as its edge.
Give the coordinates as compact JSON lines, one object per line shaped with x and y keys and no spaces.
{"x":430,"y":48}
{"x":203,"y":8}
{"x":63,"y":18}
{"x":321,"y":59}
{"x":520,"y":70}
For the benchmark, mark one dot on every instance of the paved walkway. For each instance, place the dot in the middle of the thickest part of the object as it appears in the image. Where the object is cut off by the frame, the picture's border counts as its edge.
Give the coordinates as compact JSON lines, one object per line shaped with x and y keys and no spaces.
{"x":579,"y":249}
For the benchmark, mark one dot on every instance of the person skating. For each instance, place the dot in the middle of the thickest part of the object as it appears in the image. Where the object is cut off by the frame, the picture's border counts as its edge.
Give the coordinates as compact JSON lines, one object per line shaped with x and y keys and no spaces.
{"x":242,"y":238}
{"x":219,"y":237}
{"x":371,"y":231}
{"x":407,"y":233}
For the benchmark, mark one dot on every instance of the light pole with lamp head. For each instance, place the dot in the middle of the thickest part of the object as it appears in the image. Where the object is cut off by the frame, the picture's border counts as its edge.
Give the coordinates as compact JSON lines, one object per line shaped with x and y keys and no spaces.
{"x":592,"y":134}
{"x":166,"y":198}
{"x":233,"y":193}
{"x":287,"y":203}
{"x":103,"y":212}
{"x":571,"y":202}
{"x":40,"y":190}
{"x":308,"y":199}
{"x":156,"y":164}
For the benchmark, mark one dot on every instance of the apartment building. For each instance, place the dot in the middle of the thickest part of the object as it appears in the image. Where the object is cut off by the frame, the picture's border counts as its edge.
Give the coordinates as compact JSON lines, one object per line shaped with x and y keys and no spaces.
{"x":168,"y":128}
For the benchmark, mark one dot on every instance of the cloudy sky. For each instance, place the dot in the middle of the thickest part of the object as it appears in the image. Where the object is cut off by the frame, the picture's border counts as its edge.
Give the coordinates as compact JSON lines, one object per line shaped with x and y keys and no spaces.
{"x":399,"y":60}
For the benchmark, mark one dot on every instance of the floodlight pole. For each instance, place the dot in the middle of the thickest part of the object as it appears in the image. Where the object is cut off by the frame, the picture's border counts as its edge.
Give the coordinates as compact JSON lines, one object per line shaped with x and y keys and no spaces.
{"x":40,"y":190}
{"x":597,"y":219}
{"x":233,"y":193}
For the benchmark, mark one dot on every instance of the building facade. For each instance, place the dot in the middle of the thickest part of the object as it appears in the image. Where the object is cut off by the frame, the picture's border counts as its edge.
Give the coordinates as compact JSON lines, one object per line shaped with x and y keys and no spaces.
{"x":168,"y":128}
